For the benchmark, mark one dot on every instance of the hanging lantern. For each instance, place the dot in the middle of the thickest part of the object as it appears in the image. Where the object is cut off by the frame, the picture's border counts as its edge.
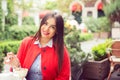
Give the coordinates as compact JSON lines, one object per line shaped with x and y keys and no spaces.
{"x":100,"y":6}
{"x":76,"y":6}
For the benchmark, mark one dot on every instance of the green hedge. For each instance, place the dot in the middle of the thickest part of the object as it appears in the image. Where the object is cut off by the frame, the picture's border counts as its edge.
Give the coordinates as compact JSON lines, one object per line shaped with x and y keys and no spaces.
{"x":85,"y":36}
{"x":7,"y":46}
{"x":18,"y":32}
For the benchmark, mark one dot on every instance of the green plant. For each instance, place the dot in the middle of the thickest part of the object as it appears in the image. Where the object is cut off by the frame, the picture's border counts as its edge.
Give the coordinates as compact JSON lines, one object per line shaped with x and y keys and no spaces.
{"x":19,"y":32}
{"x":1,"y":62}
{"x":104,"y":24}
{"x":101,"y":24}
{"x":86,"y":36}
{"x":28,"y":21}
{"x":72,"y":41}
{"x":77,"y":16}
{"x":7,"y":46}
{"x":1,"y":17}
{"x":92,"y":24}
{"x":99,"y":51}
{"x":112,"y":7}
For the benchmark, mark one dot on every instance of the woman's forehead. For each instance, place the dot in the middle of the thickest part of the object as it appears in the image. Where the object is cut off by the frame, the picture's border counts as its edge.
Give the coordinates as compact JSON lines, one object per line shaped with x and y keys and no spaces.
{"x":51,"y":21}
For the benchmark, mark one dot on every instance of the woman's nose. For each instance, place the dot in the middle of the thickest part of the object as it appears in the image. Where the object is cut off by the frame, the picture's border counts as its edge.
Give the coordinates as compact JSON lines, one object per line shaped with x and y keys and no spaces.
{"x":47,"y":27}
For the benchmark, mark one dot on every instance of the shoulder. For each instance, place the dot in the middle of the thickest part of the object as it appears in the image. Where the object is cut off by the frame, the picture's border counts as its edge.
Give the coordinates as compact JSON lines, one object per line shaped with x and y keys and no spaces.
{"x":27,"y":39}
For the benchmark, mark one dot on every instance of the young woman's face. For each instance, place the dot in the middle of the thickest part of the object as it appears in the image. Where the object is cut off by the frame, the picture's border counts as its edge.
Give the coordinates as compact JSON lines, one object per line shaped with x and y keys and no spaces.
{"x":48,"y":29}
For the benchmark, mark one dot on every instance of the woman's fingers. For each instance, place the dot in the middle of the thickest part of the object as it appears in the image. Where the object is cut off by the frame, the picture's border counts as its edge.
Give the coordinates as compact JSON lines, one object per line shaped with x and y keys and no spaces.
{"x":6,"y":60}
{"x":10,"y":54}
{"x":11,"y":59}
{"x":15,"y":61}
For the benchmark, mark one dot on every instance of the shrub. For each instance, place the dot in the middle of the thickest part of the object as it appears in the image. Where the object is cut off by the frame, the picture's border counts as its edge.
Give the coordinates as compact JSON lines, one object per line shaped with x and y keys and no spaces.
{"x":7,"y":46}
{"x":86,"y":36}
{"x":77,"y":56}
{"x":19,"y":32}
{"x":98,"y":25}
{"x":1,"y":61}
{"x":72,"y":41}
{"x":28,"y":21}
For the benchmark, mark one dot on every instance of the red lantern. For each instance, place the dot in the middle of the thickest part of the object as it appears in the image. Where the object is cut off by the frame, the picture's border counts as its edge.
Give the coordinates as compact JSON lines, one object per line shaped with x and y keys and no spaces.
{"x":100,"y":6}
{"x":76,"y":6}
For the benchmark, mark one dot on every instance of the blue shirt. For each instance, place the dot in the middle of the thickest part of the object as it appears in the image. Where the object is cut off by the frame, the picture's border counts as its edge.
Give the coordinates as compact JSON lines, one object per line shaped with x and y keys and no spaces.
{"x":35,"y":71}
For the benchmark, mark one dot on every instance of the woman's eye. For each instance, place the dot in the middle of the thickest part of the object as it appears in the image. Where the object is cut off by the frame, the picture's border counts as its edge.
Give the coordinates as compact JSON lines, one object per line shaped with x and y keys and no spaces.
{"x":53,"y":27}
{"x":45,"y":23}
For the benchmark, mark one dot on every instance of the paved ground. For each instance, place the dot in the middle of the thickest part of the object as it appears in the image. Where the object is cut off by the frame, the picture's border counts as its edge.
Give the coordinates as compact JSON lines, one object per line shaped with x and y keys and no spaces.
{"x":87,"y":45}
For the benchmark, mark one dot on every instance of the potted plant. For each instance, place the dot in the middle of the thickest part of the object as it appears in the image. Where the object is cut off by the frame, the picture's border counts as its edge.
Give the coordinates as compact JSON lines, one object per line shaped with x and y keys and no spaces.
{"x":77,"y":56}
{"x":99,"y":51}
{"x":99,"y":67}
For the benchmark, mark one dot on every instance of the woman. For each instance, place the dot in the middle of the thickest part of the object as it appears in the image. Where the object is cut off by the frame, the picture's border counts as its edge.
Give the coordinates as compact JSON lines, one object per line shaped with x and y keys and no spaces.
{"x":44,"y":55}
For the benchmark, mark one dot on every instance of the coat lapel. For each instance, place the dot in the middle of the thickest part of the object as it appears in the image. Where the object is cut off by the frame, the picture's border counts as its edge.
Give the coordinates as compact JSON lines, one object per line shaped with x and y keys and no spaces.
{"x":31,"y":55}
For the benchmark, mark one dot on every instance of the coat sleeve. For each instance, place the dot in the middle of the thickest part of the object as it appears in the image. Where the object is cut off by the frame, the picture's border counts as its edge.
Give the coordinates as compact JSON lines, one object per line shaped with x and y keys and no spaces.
{"x":66,"y":69}
{"x":22,"y":50}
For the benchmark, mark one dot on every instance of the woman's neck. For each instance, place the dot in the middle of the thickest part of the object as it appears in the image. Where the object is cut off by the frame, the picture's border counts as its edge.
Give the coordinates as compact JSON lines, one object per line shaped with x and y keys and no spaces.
{"x":44,"y":41}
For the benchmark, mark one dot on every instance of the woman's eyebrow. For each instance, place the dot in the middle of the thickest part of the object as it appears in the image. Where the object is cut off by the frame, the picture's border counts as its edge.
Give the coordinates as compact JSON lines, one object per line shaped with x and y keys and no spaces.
{"x":53,"y":25}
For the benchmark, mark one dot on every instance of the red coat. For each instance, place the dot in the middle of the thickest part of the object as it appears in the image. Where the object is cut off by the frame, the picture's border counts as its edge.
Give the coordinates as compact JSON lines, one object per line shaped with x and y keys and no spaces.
{"x":49,"y":61}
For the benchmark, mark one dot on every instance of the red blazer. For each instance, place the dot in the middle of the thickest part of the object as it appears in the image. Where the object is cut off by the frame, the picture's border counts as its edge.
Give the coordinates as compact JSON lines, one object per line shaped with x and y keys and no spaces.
{"x":28,"y":52}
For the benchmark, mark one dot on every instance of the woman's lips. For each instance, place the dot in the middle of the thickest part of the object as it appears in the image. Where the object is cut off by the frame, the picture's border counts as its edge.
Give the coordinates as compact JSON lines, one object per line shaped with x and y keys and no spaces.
{"x":45,"y":33}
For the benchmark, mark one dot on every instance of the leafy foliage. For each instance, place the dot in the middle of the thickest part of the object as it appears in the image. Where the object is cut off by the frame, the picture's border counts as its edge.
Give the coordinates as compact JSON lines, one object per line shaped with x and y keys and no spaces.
{"x":0,"y":17}
{"x":99,"y":51}
{"x":86,"y":36}
{"x":19,"y":32}
{"x":72,"y":41}
{"x":28,"y":21}
{"x":50,"y":5}
{"x":110,"y":8}
{"x":98,"y":25}
{"x":1,"y":62}
{"x":66,"y":4}
{"x":11,"y":18}
{"x":7,"y":46}
{"x":77,"y":16}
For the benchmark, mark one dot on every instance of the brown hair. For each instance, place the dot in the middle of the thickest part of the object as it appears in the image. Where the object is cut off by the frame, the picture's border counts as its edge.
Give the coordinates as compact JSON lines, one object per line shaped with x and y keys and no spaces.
{"x":58,"y":37}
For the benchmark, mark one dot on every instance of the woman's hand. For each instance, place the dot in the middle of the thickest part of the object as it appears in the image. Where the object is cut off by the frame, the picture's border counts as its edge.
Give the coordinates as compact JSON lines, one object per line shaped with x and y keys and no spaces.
{"x":12,"y":60}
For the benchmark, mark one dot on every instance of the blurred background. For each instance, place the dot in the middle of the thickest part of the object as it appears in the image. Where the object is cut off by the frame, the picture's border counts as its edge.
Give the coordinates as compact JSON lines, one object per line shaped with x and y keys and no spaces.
{"x":84,"y":20}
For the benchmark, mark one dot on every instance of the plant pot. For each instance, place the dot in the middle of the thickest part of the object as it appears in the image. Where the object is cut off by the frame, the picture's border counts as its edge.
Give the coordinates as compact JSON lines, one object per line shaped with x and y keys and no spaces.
{"x":97,"y":70}
{"x":104,"y":35}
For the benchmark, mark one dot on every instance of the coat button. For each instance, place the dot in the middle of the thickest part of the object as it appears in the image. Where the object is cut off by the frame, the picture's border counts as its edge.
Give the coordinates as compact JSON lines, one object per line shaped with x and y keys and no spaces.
{"x":44,"y":68}
{"x":43,"y":50}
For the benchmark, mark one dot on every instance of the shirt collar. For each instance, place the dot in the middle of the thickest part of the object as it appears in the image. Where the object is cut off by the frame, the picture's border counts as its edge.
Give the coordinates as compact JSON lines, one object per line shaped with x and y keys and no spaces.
{"x":49,"y":44}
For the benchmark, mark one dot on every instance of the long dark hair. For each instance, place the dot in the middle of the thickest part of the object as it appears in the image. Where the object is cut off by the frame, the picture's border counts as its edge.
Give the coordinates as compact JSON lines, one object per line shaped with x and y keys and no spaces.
{"x":58,"y":37}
